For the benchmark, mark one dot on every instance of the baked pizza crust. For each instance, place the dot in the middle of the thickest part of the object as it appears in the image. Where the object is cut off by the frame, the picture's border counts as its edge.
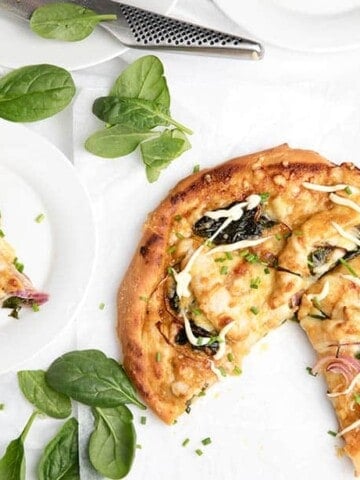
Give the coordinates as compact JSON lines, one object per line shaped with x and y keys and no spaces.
{"x":170,"y":374}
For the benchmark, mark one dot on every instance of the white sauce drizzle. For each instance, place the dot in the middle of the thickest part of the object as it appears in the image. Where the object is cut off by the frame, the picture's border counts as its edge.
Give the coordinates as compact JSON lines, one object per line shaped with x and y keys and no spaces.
{"x":328,"y":188}
{"x":353,"y":279}
{"x":196,"y":341}
{"x":215,"y":370}
{"x":348,"y":389}
{"x":346,"y":234}
{"x":321,"y":295}
{"x":346,"y":202}
{"x":222,"y":341}
{"x":353,"y":426}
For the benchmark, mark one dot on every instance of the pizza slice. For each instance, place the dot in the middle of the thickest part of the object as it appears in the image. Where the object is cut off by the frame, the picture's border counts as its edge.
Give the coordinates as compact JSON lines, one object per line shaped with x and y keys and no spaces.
{"x":16,"y":289}
{"x":330,"y":315}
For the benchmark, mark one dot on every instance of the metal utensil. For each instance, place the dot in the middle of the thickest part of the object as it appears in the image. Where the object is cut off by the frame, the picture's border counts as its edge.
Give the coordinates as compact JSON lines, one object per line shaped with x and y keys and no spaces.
{"x":138,"y":28}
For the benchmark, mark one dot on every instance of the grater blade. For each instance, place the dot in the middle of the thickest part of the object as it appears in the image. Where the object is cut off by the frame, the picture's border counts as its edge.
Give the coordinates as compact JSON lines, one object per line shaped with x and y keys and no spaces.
{"x":143,"y":29}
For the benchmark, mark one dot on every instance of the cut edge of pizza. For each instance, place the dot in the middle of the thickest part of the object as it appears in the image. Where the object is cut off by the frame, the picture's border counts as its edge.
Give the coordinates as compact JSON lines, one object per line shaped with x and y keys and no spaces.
{"x":16,"y":289}
{"x":226,"y":258}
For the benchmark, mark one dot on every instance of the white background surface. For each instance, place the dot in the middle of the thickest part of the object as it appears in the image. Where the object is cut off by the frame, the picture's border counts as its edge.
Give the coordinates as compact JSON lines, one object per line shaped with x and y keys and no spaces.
{"x":271,"y":423}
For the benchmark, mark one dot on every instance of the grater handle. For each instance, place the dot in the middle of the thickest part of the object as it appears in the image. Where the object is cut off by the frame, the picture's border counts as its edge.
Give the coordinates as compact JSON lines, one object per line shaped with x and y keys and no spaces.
{"x":142,"y":29}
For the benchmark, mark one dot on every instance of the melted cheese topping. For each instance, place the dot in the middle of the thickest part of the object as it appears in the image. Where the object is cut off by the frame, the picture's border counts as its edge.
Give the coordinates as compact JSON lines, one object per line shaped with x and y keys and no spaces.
{"x":346,"y":234}
{"x":222,"y":345}
{"x":348,"y":389}
{"x":328,"y":188}
{"x":321,"y":295}
{"x":346,"y":202}
{"x":353,"y":279}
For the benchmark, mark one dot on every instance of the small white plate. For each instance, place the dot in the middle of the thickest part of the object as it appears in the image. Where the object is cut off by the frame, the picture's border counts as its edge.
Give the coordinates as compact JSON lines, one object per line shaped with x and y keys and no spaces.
{"x":24,"y":46}
{"x":303,"y":25}
{"x":58,"y":253}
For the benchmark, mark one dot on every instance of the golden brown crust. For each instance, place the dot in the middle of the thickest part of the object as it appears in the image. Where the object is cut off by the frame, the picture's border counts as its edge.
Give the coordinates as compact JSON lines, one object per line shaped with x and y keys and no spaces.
{"x":168,"y":375}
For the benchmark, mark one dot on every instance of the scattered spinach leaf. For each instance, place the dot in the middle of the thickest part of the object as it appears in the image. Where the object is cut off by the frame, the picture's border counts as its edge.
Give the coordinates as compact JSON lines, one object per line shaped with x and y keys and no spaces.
{"x":157,"y":153}
{"x":35,"y":92}
{"x":139,"y":101}
{"x":113,"y":441}
{"x":116,"y":141}
{"x":90,"y":377}
{"x":60,"y":459}
{"x":13,"y":464}
{"x":65,"y":21}
{"x":34,"y":387}
{"x":143,"y":79}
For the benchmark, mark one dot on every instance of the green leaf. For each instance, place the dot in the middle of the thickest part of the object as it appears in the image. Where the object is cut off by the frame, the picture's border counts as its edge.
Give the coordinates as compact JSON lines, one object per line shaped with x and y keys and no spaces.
{"x":89,"y":377}
{"x":65,"y":21}
{"x":158,"y":153}
{"x":35,"y":92}
{"x":113,"y":442}
{"x":116,"y":141}
{"x":13,"y":464}
{"x":143,"y":79}
{"x":34,"y":387}
{"x":60,"y":459}
{"x":134,"y":112}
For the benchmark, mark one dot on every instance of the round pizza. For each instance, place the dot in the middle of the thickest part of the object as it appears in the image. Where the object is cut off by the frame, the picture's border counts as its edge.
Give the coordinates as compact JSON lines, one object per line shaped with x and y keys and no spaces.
{"x":232,"y":253}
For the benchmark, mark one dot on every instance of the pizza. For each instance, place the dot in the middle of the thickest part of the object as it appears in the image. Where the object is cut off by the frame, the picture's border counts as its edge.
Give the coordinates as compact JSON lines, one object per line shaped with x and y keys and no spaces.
{"x":16,"y":289}
{"x":232,"y":253}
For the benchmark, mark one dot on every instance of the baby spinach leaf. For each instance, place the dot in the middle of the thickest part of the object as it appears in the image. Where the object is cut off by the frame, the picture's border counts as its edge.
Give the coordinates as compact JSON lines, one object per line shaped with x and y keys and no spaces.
{"x":113,"y":442}
{"x":65,"y":21}
{"x":143,"y":79}
{"x":134,"y":112}
{"x":116,"y":141}
{"x":60,"y":459}
{"x":34,"y":387}
{"x":159,"y":152}
{"x":35,"y":92}
{"x":90,"y":377}
{"x":13,"y":464}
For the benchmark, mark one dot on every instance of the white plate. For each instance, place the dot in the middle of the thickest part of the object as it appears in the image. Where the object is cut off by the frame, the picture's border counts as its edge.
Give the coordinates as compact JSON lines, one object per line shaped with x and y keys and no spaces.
{"x":58,"y":253}
{"x":303,"y":25}
{"x":23,"y":44}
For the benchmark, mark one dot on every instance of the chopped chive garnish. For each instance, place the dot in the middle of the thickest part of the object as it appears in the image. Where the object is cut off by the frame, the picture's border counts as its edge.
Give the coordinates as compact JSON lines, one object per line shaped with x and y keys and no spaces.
{"x":206,"y":441}
{"x":199,"y":452}
{"x":255,"y":282}
{"x":177,"y":218}
{"x":298,"y":233}
{"x":230,"y":357}
{"x":332,"y":433}
{"x":171,"y":249}
{"x":348,"y":190}
{"x":35,"y":307}
{"x":101,"y":306}
{"x":185,"y":442}
{"x":237,"y":370}
{"x":224,"y":270}
{"x":39,"y":218}
{"x":220,"y":259}
{"x":179,"y":235}
{"x":158,"y":357}
{"x":357,"y":398}
{"x":222,"y":371}
{"x":18,"y":265}
{"x":143,"y":298}
{"x":202,"y":393}
{"x":254,"y":310}
{"x":310,"y":372}
{"x":170,"y":271}
{"x":196,"y":311}
{"x":2,"y":234}
{"x":196,"y":168}
{"x":264,"y":196}
{"x":143,"y":420}
{"x":251,"y":258}
{"x":348,"y":267}
{"x":139,"y":446}
{"x":228,"y":255}
{"x":2,"y":406}
{"x":266,"y":271}
{"x":278,"y":236}
{"x":243,"y":253}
